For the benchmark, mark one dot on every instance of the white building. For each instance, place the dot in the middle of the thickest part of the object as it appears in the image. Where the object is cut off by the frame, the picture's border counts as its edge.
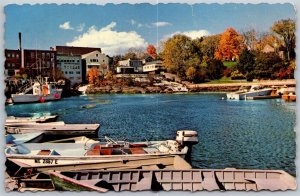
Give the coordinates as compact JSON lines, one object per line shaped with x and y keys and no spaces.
{"x":129,"y":65}
{"x":96,"y":59}
{"x":71,"y":67}
{"x":154,"y":66}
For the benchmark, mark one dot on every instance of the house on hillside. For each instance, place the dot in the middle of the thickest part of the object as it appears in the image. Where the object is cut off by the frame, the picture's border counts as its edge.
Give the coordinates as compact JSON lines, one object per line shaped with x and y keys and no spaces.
{"x":97,"y":60}
{"x":130,"y":66}
{"x":268,"y":48}
{"x":154,"y":67}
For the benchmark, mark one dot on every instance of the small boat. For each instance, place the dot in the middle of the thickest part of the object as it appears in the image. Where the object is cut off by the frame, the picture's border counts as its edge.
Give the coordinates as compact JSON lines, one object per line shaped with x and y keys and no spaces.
{"x":39,"y":91}
{"x":173,"y":180}
{"x":58,"y":155}
{"x":69,"y":130}
{"x":12,"y":139}
{"x":289,"y":97}
{"x":255,"y":90}
{"x":39,"y":119}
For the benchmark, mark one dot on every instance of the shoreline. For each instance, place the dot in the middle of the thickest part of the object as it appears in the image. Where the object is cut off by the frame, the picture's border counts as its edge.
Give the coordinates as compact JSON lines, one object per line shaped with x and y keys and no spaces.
{"x":192,"y":88}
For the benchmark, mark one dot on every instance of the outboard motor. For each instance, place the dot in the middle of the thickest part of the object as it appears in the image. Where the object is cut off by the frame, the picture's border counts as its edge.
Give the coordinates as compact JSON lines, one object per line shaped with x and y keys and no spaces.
{"x":187,"y":138}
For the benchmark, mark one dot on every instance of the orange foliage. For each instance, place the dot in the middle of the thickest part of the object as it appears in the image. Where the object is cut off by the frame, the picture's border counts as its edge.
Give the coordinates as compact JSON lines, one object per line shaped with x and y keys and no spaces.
{"x":270,"y":40}
{"x":230,"y":45}
{"x":151,"y":50}
{"x":93,"y":75}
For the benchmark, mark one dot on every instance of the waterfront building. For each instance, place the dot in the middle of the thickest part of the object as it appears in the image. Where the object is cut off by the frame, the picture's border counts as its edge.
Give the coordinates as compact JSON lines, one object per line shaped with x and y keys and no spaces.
{"x":12,"y":62}
{"x":71,"y":67}
{"x":97,"y":60}
{"x":130,"y":66}
{"x":153,"y":67}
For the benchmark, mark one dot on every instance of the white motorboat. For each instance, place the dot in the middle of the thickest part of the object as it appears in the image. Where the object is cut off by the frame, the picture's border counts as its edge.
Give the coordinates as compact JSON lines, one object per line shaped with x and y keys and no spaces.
{"x":89,"y":154}
{"x":255,"y":90}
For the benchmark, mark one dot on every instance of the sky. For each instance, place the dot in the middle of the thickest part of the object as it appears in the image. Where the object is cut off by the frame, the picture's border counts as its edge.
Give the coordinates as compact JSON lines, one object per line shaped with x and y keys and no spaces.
{"x":117,"y":28}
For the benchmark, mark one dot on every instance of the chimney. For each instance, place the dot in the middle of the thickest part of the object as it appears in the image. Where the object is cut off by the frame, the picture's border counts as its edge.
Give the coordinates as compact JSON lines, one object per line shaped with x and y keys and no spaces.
{"x":20,"y":41}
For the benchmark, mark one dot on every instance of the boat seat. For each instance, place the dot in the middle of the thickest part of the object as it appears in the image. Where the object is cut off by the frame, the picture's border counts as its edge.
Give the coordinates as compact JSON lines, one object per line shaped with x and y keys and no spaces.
{"x":94,"y":151}
{"x":137,"y":151}
{"x":44,"y":152}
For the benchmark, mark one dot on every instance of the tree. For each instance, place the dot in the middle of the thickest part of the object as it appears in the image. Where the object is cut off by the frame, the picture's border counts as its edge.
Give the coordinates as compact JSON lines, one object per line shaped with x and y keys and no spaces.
{"x":151,"y":50}
{"x":267,"y":65}
{"x":209,"y":45}
{"x":179,"y":53}
{"x":249,"y":39}
{"x":93,"y":75}
{"x":246,"y":62}
{"x":286,"y":30}
{"x":215,"y":69}
{"x":268,"y":39}
{"x":130,"y":55}
{"x":230,"y":45}
{"x":191,"y":73}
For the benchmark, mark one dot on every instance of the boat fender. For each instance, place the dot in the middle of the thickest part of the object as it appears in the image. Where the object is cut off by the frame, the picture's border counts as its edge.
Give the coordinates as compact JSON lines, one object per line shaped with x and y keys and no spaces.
{"x":42,"y":100}
{"x":56,"y":96}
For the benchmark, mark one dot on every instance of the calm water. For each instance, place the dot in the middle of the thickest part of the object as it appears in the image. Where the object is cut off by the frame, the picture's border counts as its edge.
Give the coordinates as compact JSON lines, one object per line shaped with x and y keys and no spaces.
{"x":242,"y":134}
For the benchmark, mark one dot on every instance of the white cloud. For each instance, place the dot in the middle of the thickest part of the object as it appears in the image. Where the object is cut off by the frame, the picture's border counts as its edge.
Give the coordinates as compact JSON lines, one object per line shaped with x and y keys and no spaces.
{"x":161,"y":24}
{"x":80,"y":27}
{"x":192,"y":34}
{"x":140,"y":25}
{"x":109,"y":40}
{"x":66,"y":26}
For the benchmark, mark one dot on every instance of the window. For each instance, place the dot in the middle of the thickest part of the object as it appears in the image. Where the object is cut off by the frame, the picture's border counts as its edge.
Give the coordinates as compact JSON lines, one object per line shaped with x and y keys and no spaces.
{"x":8,"y":55}
{"x":43,"y":55}
{"x":96,"y":55}
{"x":77,"y":72}
{"x":70,"y":72}
{"x":13,"y":65}
{"x":8,"y":64}
{"x":12,"y":55}
{"x":66,"y":72}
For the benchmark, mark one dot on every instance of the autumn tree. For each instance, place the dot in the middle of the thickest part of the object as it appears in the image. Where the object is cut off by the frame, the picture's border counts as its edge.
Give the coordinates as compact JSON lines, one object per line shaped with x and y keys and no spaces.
{"x":230,"y":45}
{"x":191,"y":73}
{"x":179,"y":53}
{"x":209,"y":45}
{"x":151,"y":50}
{"x":268,"y":39}
{"x":286,"y":30}
{"x":93,"y":75}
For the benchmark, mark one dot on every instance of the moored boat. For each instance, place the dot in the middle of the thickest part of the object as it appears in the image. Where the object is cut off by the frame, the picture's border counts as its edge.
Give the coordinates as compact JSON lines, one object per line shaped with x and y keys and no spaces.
{"x":254,"y":91}
{"x":53,"y":155}
{"x":173,"y":180}
{"x":12,"y":139}
{"x":39,"y":119}
{"x":39,"y":91}
{"x":289,"y":97}
{"x":70,"y":130}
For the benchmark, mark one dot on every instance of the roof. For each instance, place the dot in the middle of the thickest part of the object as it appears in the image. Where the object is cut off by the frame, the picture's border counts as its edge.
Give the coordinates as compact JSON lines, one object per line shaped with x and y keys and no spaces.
{"x":73,"y":50}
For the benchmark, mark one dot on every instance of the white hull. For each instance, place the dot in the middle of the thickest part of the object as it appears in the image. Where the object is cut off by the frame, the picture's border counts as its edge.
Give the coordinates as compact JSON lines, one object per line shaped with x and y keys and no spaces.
{"x":244,"y":95}
{"x":30,"y":98}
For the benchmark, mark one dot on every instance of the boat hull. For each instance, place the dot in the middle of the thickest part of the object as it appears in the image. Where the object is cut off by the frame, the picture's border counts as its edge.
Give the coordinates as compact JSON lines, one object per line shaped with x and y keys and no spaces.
{"x":242,"y":96}
{"x":30,"y":98}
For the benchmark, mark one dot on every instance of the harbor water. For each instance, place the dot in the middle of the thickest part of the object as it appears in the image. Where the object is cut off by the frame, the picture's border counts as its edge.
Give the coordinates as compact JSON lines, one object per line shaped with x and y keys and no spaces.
{"x":252,"y":134}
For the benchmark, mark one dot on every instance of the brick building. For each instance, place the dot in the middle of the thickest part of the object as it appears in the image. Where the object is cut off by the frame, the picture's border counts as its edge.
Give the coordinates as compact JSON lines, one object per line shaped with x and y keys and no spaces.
{"x":12,"y":62}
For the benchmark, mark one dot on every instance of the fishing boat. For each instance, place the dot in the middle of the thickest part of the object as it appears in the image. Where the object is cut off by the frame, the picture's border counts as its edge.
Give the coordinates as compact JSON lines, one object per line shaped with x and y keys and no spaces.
{"x":39,"y":91}
{"x":254,"y":91}
{"x":12,"y":139}
{"x":38,"y":119}
{"x":173,"y":180}
{"x":70,"y":130}
{"x":57,"y":155}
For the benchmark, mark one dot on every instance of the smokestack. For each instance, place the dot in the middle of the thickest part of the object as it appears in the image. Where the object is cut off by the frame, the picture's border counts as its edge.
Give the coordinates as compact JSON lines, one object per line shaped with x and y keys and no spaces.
{"x":20,"y":41}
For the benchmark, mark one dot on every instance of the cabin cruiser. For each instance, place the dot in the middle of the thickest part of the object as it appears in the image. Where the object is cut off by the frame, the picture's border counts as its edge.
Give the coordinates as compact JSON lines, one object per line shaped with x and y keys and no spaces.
{"x":255,"y":90}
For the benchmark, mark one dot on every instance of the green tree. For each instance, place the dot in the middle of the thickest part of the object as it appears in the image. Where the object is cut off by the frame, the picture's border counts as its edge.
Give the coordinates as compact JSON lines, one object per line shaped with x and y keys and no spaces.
{"x":267,"y":65}
{"x":191,"y":73}
{"x":179,"y":53}
{"x":246,"y":62}
{"x":286,"y":30}
{"x":215,"y":69}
